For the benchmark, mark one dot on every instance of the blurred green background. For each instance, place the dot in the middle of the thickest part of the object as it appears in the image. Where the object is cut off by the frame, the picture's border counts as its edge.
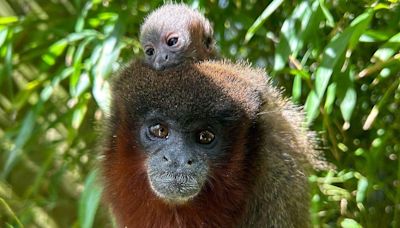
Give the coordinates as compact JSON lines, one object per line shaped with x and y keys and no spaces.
{"x":339,"y":58}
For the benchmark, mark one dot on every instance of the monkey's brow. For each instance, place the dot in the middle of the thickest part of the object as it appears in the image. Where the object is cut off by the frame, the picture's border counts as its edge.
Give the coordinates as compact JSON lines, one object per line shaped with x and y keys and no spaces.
{"x":215,"y":120}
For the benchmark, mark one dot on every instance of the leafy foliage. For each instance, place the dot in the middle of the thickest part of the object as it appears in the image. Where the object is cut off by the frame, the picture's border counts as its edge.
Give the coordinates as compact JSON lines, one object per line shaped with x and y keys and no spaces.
{"x":338,"y":58}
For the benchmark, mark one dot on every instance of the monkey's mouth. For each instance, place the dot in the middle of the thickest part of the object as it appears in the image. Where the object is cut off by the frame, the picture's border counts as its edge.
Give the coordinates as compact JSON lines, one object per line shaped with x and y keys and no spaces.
{"x":175,"y":187}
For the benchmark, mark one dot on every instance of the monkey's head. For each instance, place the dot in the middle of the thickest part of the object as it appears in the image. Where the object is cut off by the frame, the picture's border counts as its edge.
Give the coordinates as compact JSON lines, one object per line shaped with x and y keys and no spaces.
{"x":171,"y":131}
{"x":175,"y":33}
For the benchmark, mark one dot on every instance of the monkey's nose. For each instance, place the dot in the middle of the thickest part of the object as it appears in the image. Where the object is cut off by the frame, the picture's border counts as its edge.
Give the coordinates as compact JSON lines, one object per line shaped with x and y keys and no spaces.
{"x":159,"y":66}
{"x":178,"y":160}
{"x":161,"y":61}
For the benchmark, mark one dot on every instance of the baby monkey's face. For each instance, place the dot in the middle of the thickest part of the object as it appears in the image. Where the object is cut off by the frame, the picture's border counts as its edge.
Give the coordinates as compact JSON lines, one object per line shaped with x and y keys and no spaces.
{"x":166,"y":49}
{"x":175,"y":33}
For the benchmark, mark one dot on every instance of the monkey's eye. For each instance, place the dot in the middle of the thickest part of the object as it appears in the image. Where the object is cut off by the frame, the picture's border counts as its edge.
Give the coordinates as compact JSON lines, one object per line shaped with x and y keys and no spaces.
{"x":172,"y":41}
{"x":149,"y":51}
{"x":159,"y":131}
{"x":205,"y":137}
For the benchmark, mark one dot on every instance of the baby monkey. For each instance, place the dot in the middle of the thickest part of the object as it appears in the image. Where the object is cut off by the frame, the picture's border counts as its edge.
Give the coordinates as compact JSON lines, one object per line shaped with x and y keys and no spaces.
{"x":175,"y":33}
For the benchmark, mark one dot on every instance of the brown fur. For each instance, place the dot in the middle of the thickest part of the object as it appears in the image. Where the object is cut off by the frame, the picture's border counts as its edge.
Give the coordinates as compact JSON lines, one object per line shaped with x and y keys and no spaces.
{"x":262,"y":183}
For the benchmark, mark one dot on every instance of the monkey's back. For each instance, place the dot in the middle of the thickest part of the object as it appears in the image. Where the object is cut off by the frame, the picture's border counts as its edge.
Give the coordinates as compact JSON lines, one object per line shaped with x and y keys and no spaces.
{"x":285,"y":151}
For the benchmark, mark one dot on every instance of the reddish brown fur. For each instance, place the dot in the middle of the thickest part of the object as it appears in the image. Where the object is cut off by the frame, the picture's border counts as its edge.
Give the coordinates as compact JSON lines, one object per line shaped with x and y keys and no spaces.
{"x":222,"y":201}
{"x":199,"y":31}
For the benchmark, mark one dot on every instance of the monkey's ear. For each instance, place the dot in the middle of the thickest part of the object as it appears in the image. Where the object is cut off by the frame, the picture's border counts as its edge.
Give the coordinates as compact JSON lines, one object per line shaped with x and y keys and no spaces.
{"x":209,"y":43}
{"x":208,"y":35}
{"x":203,"y":31}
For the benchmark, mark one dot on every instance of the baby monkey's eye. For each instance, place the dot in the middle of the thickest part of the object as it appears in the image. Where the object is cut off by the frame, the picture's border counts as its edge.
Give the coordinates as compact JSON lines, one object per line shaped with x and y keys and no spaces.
{"x":205,"y":137}
{"x":159,"y":131}
{"x":172,"y":41}
{"x":149,"y":51}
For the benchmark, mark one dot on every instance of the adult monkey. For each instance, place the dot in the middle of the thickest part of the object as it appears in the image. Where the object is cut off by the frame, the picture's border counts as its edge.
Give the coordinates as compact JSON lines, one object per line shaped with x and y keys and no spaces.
{"x":175,"y":33}
{"x":209,"y":144}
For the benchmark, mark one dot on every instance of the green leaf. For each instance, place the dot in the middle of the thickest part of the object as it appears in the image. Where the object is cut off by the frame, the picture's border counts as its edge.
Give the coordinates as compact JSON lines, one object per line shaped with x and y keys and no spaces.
{"x":101,"y":93}
{"x":348,"y":103}
{"x":329,"y":18}
{"x":77,"y":65}
{"x":289,"y":36}
{"x":348,"y":96}
{"x":262,"y":18}
{"x":55,"y":50}
{"x":80,"y":111}
{"x":58,"y":47}
{"x":359,"y":25}
{"x":388,"y":49}
{"x":330,"y":98}
{"x":8,"y":20}
{"x":24,"y":134}
{"x":83,"y":84}
{"x":3,"y":35}
{"x":361,"y":189}
{"x":336,"y":49}
{"x":89,"y":201}
{"x":374,"y":36}
{"x":48,"y":89}
{"x":296,"y":91}
{"x":7,"y":209}
{"x":350,"y":223}
{"x":293,"y":36}
{"x":28,"y":124}
{"x":311,"y":107}
{"x":109,"y":53}
{"x":331,"y":56}
{"x":81,"y":19}
{"x":103,"y":67}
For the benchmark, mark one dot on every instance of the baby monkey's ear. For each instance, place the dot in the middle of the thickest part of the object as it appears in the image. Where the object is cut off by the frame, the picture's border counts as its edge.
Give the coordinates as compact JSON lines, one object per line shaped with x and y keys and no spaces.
{"x":209,"y":43}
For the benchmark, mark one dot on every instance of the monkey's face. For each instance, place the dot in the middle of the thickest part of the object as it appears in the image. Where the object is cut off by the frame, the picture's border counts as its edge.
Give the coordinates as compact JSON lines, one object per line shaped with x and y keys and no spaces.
{"x":165,"y":48}
{"x":178,"y":155}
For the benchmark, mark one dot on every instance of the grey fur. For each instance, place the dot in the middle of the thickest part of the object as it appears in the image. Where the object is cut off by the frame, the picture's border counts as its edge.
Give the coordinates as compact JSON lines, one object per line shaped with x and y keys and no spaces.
{"x":194,"y":32}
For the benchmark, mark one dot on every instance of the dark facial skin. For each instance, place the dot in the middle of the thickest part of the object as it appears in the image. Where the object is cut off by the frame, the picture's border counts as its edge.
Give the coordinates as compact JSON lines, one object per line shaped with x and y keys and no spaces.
{"x":178,"y":155}
{"x":164,"y":51}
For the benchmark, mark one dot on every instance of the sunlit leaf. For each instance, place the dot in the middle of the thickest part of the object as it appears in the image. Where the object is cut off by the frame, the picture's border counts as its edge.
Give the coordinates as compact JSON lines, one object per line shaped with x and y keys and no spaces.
{"x":330,"y":98}
{"x":8,"y":20}
{"x":77,"y":66}
{"x":388,"y":49}
{"x":329,"y":18}
{"x":261,"y":19}
{"x":358,"y":27}
{"x":333,"y":52}
{"x":296,"y":92}
{"x":347,"y":94}
{"x":80,"y":111}
{"x":311,"y":106}
{"x":350,"y":223}
{"x":374,"y":36}
{"x":81,"y":19}
{"x":3,"y":36}
{"x":361,"y":189}
{"x":292,"y":38}
{"x":89,"y":201}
